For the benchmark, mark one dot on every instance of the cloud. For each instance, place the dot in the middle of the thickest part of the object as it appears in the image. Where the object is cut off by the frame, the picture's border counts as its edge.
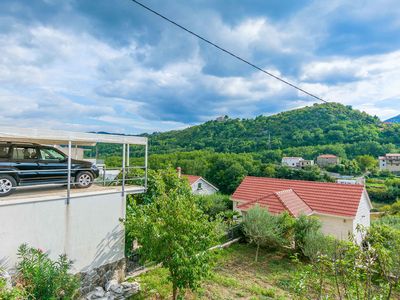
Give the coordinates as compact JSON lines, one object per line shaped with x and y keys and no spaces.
{"x":92,"y":65}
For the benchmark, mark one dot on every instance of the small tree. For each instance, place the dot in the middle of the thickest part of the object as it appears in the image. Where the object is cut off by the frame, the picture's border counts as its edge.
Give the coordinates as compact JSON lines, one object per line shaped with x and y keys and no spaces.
{"x":173,"y":231}
{"x":264,"y":229}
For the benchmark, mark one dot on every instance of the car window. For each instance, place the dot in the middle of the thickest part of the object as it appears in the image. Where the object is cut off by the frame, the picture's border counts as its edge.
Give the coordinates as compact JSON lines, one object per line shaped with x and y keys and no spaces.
{"x":50,"y":154}
{"x":4,"y":151}
{"x":24,"y":153}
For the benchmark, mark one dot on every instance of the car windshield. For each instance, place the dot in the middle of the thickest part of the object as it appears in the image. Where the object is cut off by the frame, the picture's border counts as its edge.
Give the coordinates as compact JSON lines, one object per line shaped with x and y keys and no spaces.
{"x":50,"y":154}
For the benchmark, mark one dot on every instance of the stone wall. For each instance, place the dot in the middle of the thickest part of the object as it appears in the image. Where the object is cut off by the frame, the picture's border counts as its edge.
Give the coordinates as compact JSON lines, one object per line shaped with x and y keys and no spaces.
{"x":100,"y":276}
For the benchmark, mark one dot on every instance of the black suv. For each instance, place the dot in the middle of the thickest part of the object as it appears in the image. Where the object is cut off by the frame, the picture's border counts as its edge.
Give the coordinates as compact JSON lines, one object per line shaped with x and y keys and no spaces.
{"x":30,"y":164}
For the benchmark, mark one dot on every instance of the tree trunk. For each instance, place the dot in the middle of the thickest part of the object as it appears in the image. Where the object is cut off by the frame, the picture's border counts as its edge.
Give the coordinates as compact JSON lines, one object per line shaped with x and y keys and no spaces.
{"x":174,"y":292}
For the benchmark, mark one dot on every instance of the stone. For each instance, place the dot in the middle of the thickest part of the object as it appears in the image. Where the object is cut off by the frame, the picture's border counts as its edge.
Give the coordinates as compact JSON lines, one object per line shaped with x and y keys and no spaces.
{"x":112,"y":284}
{"x":99,"y":292}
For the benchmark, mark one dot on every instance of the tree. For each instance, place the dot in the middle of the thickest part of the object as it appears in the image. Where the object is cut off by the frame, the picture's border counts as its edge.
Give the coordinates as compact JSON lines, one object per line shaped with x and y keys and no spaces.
{"x":367,"y":162}
{"x":265,"y":229}
{"x":173,"y":231}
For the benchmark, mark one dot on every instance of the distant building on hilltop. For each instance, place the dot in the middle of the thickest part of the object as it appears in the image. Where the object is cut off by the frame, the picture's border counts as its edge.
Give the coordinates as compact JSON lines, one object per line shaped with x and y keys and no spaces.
{"x":296,"y":162}
{"x":292,"y":162}
{"x":390,"y":162}
{"x":306,"y":163}
{"x":325,"y":160}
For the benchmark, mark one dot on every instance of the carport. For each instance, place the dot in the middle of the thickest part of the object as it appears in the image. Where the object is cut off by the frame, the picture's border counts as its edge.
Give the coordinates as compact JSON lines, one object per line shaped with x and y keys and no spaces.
{"x":74,"y":139}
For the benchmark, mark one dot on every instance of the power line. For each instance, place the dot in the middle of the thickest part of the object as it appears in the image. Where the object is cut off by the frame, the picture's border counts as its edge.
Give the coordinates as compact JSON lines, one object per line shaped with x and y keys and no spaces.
{"x":229,"y":52}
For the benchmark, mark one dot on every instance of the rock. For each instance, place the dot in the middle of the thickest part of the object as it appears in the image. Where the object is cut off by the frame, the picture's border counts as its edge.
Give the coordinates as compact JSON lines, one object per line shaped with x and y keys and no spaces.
{"x":111,"y":284}
{"x":7,"y":278}
{"x":99,"y":292}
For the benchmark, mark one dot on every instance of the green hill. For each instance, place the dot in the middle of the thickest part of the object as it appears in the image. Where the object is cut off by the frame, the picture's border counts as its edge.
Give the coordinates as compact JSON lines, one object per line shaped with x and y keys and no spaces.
{"x":319,"y":124}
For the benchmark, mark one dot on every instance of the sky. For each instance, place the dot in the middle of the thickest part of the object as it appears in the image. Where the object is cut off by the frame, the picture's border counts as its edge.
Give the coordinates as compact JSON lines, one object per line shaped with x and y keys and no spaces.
{"x":112,"y":66}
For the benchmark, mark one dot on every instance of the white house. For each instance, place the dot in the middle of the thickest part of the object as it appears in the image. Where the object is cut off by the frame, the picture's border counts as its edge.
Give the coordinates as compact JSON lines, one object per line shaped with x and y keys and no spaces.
{"x":340,"y":207}
{"x":199,"y":185}
{"x":291,"y":161}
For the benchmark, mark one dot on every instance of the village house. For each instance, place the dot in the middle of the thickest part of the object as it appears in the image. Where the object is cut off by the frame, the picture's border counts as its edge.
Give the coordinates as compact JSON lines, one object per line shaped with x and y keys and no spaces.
{"x":199,"y":185}
{"x":325,"y":160}
{"x":292,"y":162}
{"x":305,"y":163}
{"x":390,"y":162}
{"x":339,"y":207}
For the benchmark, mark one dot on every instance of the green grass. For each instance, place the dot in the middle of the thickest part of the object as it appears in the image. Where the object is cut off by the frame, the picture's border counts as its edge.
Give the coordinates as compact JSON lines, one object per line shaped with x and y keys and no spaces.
{"x":235,"y":276}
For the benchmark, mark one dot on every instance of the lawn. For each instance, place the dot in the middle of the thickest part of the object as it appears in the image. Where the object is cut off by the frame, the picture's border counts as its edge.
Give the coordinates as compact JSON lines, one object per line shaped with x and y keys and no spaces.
{"x":235,"y":276}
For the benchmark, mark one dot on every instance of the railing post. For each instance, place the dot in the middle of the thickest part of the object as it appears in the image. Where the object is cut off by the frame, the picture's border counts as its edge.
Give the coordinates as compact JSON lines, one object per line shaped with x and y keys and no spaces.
{"x":123,"y":169}
{"x":145,"y":165}
{"x":69,"y":171}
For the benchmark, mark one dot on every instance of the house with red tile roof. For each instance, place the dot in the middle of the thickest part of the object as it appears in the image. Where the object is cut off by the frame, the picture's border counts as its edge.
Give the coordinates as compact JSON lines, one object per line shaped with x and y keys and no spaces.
{"x":199,"y":185}
{"x":340,"y":207}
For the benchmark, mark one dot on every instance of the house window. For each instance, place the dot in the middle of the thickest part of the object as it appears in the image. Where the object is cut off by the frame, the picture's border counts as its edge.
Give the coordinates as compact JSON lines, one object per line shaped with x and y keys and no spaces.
{"x":199,"y":186}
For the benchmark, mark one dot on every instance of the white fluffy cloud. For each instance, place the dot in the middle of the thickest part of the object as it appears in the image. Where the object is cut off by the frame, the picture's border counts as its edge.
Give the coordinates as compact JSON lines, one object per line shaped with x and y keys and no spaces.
{"x":60,"y":77}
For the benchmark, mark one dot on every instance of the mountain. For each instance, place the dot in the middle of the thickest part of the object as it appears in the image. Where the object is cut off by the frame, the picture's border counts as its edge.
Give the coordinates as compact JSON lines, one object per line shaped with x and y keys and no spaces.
{"x":318,"y":124}
{"x":393,"y":120}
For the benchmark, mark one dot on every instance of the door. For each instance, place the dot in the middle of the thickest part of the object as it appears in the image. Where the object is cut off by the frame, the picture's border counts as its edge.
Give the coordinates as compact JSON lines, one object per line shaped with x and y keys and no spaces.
{"x":25,"y":160}
{"x":53,"y":165}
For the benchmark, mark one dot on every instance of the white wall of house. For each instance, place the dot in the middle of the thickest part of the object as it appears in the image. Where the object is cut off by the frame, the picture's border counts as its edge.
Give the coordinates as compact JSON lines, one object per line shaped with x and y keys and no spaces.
{"x":202,"y":187}
{"x":362,"y":216}
{"x":291,"y":161}
{"x":338,"y":227}
{"x":88,"y":230}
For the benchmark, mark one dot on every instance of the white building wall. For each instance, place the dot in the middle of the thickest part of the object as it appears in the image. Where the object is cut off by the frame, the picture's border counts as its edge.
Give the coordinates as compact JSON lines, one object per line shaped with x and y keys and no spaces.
{"x":88,"y":230}
{"x":336,"y":226}
{"x":206,"y":188}
{"x":291,"y":161}
{"x":362,"y":216}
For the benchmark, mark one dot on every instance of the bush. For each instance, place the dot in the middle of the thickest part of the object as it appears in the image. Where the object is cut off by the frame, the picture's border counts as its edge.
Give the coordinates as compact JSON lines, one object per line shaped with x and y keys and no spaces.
{"x":15,"y":293}
{"x":303,"y":226}
{"x":43,"y":278}
{"x":316,"y":244}
{"x":267,"y":230}
{"x":213,"y":205}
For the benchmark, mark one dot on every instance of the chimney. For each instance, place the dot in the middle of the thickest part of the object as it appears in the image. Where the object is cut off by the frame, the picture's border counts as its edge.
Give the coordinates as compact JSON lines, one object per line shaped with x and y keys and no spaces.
{"x":179,"y":170}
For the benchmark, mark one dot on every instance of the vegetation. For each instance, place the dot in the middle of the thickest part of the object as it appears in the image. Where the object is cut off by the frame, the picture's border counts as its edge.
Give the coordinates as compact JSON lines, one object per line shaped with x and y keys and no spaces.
{"x":234,"y":276}
{"x":13,"y":293}
{"x":38,"y":277}
{"x":174,"y":232}
{"x":265,"y":229}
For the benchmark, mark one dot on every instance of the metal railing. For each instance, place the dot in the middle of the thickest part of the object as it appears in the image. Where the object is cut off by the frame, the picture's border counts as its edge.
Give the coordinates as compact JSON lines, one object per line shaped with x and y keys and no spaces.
{"x":67,"y":176}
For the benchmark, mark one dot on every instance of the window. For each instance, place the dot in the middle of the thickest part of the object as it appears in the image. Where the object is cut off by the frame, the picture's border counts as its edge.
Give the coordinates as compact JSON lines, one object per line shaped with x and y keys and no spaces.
{"x":51,"y":154}
{"x":4,"y":150}
{"x":24,"y":153}
{"x":199,"y":186}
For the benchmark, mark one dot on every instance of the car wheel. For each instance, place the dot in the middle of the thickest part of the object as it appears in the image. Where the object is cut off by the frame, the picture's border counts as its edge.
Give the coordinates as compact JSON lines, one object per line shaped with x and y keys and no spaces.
{"x":84,"y":180}
{"x":7,"y":185}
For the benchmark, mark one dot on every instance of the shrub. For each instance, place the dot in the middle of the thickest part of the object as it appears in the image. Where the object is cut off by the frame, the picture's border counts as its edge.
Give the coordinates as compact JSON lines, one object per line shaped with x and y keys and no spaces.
{"x":213,"y":205}
{"x":43,"y":278}
{"x":15,"y":293}
{"x":265,"y":229}
{"x":302,"y":227}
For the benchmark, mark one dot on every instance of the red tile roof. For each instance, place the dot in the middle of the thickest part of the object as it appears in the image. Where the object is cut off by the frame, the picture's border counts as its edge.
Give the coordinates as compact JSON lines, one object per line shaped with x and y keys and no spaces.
{"x":327,"y":156}
{"x":321,"y":197}
{"x":277,"y":202}
{"x":192,"y":178}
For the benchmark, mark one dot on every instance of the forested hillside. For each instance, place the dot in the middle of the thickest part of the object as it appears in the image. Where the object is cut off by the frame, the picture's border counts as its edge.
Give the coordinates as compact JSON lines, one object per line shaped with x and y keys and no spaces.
{"x":317,"y":125}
